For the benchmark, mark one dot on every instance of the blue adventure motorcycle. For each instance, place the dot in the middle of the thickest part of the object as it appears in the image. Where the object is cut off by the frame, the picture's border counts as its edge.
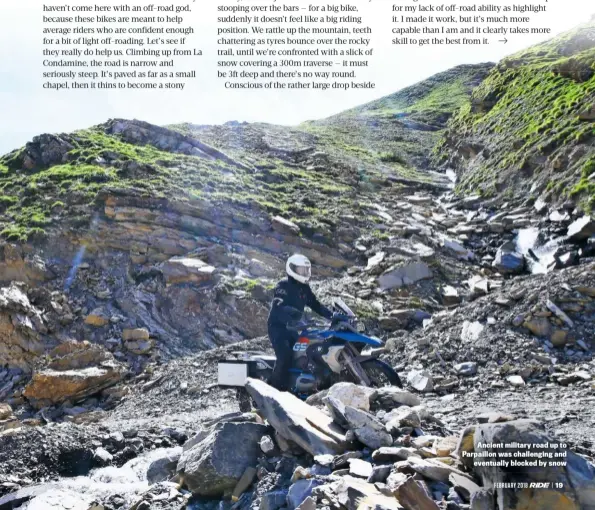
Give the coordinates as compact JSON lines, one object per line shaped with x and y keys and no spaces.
{"x":321,"y":358}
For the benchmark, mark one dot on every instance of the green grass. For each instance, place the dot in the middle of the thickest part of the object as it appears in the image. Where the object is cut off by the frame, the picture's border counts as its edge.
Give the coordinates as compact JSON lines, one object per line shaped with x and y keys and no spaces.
{"x":526,"y":113}
{"x":585,"y":188}
{"x":33,"y":199}
{"x":446,"y":98}
{"x":375,"y":137}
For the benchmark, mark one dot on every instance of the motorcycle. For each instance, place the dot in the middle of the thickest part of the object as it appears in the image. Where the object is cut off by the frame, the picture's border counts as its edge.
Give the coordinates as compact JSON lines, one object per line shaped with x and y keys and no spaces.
{"x":321,"y":358}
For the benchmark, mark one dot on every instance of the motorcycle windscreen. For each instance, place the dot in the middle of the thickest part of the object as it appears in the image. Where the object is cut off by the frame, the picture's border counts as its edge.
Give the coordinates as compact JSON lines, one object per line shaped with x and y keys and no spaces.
{"x":339,"y":303}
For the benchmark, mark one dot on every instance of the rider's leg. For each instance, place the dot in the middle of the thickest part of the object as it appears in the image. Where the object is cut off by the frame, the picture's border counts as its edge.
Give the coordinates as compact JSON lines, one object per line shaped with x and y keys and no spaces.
{"x":280,"y":339}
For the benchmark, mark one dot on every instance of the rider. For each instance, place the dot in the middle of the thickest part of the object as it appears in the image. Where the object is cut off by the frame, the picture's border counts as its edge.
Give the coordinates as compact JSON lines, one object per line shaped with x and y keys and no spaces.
{"x":291,"y":295}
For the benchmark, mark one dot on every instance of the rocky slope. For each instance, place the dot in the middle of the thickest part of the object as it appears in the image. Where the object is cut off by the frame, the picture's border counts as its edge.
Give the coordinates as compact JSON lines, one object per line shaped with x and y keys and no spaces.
{"x":182,"y":231}
{"x":528,"y":130}
{"x":129,"y":250}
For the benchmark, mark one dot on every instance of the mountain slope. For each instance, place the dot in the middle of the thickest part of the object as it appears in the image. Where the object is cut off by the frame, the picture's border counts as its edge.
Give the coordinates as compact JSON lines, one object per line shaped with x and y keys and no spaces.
{"x":183,"y":230}
{"x":397,"y":132}
{"x":130,"y":251}
{"x":529,"y":129}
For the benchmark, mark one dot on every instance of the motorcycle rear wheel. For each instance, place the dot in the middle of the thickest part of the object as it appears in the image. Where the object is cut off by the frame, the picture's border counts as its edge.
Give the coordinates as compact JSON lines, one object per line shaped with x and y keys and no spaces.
{"x":381,"y":373}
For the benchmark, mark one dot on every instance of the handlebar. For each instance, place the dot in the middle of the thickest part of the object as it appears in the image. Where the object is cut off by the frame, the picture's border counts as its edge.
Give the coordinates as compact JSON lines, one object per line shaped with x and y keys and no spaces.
{"x":302,"y":325}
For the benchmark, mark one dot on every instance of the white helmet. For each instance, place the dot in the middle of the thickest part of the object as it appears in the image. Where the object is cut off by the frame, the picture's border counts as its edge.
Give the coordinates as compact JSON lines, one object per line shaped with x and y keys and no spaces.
{"x":299,"y":268}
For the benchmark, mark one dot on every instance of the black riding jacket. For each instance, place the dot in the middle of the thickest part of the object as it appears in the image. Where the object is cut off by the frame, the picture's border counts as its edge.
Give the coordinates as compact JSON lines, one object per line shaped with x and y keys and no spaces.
{"x":291,"y":295}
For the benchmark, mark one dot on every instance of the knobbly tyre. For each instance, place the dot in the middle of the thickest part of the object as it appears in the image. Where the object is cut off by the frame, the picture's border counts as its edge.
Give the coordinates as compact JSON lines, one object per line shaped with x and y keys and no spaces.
{"x":321,"y":358}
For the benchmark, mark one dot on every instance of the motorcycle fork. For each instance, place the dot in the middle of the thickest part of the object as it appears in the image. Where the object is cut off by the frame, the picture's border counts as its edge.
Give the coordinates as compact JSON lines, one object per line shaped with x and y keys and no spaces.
{"x":350,"y":354}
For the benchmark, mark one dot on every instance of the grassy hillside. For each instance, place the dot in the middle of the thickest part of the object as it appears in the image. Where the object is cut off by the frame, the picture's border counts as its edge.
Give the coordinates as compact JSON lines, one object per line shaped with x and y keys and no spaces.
{"x":310,"y":174}
{"x":38,"y":194}
{"x":398,"y":131}
{"x":529,"y":129}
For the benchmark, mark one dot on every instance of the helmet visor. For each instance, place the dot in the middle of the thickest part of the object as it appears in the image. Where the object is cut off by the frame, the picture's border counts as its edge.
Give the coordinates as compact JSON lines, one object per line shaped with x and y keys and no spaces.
{"x":303,"y":271}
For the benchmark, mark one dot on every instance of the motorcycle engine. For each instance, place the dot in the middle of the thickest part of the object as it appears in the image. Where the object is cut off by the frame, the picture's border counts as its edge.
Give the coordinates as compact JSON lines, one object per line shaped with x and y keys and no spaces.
{"x":302,"y":363}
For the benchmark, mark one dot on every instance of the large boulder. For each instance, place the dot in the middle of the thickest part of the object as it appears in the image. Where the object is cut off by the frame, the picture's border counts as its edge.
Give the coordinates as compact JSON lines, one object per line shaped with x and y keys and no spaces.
{"x":571,"y":485}
{"x":187,"y":270}
{"x":21,"y":326}
{"x":352,"y":395}
{"x":215,"y":464}
{"x":508,"y":260}
{"x":406,"y":274}
{"x":50,"y":387}
{"x":76,"y":355}
{"x":296,"y":421}
{"x":582,"y":228}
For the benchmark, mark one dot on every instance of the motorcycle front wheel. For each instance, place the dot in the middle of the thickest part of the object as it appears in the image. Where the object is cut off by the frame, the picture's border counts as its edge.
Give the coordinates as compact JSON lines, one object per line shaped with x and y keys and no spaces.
{"x":381,"y":373}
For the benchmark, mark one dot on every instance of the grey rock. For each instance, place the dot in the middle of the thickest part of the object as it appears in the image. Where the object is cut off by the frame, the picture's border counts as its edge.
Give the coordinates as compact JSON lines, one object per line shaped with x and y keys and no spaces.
{"x":583,"y":228}
{"x":402,"y":417}
{"x":389,"y":397}
{"x":393,"y":453}
{"x":260,"y":269}
{"x":273,"y":500}
{"x":336,"y":409}
{"x":267,"y":445}
{"x":163,"y":468}
{"x":380,"y":473}
{"x":433,"y":469}
{"x":299,"y":491}
{"x":406,"y":274}
{"x":296,"y":421}
{"x":102,"y":457}
{"x":341,"y":461}
{"x":308,"y":504}
{"x":468,"y":368}
{"x":215,"y":464}
{"x":359,"y":467}
{"x":187,"y":270}
{"x":60,"y":499}
{"x":464,"y":487}
{"x":352,"y":395}
{"x":367,"y":428}
{"x":17,"y":498}
{"x":420,"y":380}
{"x":351,"y":492}
{"x":508,"y":260}
{"x":285,"y":226}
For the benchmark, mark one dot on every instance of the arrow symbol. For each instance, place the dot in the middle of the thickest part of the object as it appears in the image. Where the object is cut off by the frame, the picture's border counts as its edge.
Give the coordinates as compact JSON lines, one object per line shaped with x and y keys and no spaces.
{"x":503,"y":40}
